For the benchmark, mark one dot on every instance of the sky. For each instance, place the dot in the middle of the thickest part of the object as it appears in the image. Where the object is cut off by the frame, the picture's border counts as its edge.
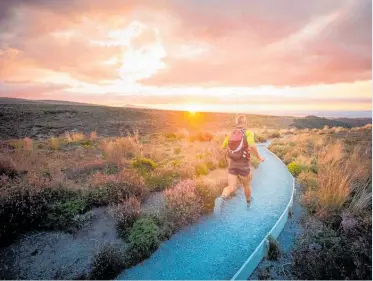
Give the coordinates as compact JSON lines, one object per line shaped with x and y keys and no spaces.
{"x":285,"y":57}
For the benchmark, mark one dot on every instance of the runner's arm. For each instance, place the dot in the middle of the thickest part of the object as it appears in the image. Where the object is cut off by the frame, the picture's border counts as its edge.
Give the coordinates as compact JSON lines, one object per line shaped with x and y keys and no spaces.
{"x":251,"y":142}
{"x":254,"y":150}
{"x":225,"y":143}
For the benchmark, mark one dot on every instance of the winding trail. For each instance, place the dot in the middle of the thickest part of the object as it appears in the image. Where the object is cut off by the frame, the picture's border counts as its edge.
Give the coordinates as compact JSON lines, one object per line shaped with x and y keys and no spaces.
{"x":217,"y":246}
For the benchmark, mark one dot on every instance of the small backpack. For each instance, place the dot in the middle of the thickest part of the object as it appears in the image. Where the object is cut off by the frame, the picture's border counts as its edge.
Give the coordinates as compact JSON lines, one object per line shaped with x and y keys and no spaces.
{"x":238,"y":146}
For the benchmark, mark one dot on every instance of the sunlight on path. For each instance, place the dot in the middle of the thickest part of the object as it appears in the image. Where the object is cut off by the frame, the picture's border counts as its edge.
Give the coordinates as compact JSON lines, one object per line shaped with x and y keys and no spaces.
{"x":217,"y":246}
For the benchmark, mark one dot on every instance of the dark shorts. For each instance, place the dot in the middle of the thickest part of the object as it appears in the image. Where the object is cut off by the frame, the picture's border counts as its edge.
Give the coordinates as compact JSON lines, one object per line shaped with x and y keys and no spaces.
{"x":241,"y":171}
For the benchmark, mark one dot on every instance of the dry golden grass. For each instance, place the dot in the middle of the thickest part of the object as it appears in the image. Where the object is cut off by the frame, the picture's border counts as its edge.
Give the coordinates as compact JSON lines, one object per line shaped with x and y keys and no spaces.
{"x":342,"y":170}
{"x":93,"y":136}
{"x":334,"y":178}
{"x":119,"y":149}
{"x":72,"y":137}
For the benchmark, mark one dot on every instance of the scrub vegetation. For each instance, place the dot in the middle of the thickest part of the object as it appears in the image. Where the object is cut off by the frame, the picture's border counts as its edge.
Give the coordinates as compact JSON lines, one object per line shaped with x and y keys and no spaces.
{"x":54,"y":178}
{"x":334,"y":168}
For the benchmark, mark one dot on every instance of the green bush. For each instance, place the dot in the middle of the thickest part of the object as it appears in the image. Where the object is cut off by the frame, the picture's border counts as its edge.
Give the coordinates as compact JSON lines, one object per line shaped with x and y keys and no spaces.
{"x":211,"y":165}
{"x":294,"y":168}
{"x":98,"y":196}
{"x":144,"y":165}
{"x":61,"y":214}
{"x":107,"y":264}
{"x":24,"y":208}
{"x":161,"y":179}
{"x":143,"y":239}
{"x":201,"y":169}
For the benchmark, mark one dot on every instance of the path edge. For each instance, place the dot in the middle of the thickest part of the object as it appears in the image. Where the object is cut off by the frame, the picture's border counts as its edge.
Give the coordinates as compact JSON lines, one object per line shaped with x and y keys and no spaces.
{"x":262,"y":249}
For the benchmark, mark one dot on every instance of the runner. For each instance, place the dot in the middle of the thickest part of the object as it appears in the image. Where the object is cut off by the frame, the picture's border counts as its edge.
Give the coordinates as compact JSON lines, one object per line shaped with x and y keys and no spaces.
{"x":240,"y":144}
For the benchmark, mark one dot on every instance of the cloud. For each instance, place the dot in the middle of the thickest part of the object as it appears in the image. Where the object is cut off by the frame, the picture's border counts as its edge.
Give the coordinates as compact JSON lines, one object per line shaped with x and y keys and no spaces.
{"x":28,"y":90}
{"x":187,"y":43}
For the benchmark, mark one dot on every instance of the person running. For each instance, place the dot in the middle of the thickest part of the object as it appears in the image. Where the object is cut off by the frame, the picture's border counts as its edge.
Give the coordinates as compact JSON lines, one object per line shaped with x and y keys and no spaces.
{"x":240,"y":144}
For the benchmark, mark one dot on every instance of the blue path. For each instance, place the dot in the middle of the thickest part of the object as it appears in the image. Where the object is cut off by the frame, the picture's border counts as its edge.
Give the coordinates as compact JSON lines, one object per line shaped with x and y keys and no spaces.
{"x":217,"y":246}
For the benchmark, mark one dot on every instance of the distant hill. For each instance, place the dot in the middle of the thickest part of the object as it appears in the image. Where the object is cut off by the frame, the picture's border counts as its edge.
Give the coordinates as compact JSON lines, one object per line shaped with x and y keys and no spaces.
{"x":312,"y":121}
{"x":17,"y":101}
{"x":134,"y":106}
{"x":355,"y":122}
{"x":5,"y":100}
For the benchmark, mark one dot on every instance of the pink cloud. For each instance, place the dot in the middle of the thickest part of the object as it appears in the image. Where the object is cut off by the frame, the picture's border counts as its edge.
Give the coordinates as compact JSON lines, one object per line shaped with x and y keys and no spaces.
{"x":238,"y":37}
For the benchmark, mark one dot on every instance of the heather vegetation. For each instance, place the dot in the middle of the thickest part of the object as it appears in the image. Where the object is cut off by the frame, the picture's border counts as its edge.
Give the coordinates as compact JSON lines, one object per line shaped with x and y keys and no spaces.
{"x":333,"y":167}
{"x":55,"y":183}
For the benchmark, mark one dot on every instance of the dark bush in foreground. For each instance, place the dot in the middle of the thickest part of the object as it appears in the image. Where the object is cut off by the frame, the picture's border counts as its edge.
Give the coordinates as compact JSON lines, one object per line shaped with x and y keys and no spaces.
{"x":326,"y":253}
{"x":24,"y":208}
{"x":107,"y":264}
{"x":143,"y":239}
{"x":274,"y":248}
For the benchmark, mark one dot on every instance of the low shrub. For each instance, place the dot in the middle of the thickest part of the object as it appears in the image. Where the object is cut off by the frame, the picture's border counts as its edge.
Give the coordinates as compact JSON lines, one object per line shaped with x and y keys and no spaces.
{"x":143,"y":239}
{"x":161,"y":178}
{"x":8,"y":167}
{"x":323,"y":253}
{"x":25,"y":144}
{"x":211,"y":165}
{"x":201,"y":136}
{"x":294,"y":168}
{"x":183,"y":204}
{"x":208,"y":190}
{"x":259,"y":138}
{"x":93,"y":136}
{"x":74,"y":137}
{"x":125,"y":214}
{"x":144,"y":165}
{"x":308,"y":180}
{"x":107,"y":263}
{"x":61,"y":214}
{"x":177,"y":150}
{"x":105,"y":189}
{"x":25,"y":207}
{"x":274,"y":134}
{"x":201,"y":169}
{"x":274,"y":248}
{"x":119,"y":149}
{"x":54,"y":143}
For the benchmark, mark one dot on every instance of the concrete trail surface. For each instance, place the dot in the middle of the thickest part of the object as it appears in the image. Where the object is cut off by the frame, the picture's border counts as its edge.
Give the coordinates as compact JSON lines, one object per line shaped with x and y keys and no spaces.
{"x":217,"y":246}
